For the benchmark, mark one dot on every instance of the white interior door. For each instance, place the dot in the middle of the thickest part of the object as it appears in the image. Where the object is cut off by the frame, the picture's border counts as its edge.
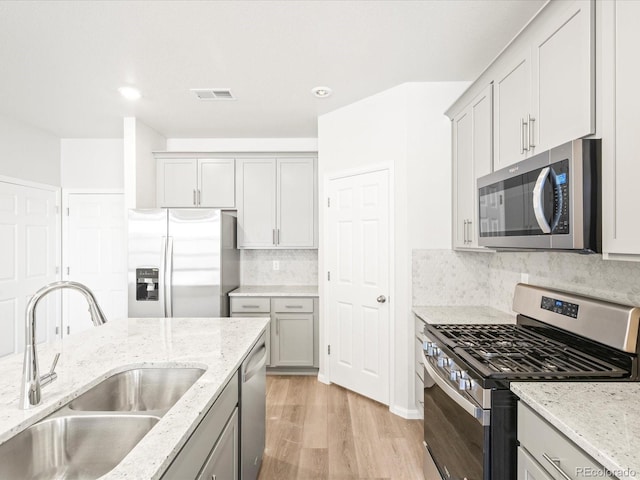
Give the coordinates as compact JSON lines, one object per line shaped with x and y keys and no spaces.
{"x":358,"y":313}
{"x":94,"y":254}
{"x":28,"y":237}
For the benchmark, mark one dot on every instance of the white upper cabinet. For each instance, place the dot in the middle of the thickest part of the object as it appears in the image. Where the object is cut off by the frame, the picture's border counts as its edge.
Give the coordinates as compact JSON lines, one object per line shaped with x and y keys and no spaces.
{"x":257,"y":203}
{"x":217,"y":182}
{"x":512,"y":107}
{"x":563,"y":84}
{"x":196,"y":182}
{"x":471,"y":159}
{"x":621,"y":124}
{"x":277,"y":203}
{"x":545,"y":84}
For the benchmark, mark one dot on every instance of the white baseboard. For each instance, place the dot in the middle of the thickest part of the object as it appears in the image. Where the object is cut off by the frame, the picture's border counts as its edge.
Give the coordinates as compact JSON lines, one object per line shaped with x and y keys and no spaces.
{"x":323,"y":379}
{"x":409,"y":414}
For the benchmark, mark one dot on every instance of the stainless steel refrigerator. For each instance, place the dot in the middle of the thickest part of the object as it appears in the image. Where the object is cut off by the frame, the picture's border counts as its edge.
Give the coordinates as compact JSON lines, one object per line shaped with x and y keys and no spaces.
{"x":182,"y":262}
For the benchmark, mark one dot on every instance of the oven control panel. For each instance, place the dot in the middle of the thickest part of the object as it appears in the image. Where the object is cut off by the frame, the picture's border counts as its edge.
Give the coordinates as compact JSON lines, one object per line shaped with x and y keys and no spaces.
{"x":559,"y":306}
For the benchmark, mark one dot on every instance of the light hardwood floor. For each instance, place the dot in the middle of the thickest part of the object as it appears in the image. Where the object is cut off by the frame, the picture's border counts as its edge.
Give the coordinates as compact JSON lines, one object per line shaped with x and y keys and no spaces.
{"x":318,"y":431}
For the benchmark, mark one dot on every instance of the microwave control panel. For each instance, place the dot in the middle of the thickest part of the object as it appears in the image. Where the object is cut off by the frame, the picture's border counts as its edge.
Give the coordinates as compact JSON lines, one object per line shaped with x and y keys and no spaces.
{"x":561,"y":196}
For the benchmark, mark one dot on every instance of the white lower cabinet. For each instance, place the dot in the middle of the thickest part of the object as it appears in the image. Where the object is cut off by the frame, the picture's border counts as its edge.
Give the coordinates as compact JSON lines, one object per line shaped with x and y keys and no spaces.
{"x":292,"y":340}
{"x":212,"y":451}
{"x":222,"y":464}
{"x":528,"y":468}
{"x":546,"y":454}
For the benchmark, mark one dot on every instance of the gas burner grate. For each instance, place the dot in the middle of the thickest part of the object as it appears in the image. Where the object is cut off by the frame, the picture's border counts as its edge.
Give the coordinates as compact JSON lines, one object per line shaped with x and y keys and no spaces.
{"x":515,"y":352}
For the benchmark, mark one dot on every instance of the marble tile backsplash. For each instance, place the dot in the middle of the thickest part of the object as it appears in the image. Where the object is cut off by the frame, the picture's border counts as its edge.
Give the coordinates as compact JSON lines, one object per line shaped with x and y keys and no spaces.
{"x":445,"y":277}
{"x":296,"y":267}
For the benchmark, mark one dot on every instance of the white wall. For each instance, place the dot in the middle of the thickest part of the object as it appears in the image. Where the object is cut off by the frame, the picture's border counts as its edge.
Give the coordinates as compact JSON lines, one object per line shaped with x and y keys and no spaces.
{"x":140,"y":141}
{"x":404,"y":127}
{"x":92,"y":163}
{"x":28,"y":153}
{"x":242,"y":144}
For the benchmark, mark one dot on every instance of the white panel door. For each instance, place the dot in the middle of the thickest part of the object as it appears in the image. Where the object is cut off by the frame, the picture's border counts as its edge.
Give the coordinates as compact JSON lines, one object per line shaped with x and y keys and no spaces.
{"x":27,"y":262}
{"x":95,"y":254}
{"x":358,"y":252}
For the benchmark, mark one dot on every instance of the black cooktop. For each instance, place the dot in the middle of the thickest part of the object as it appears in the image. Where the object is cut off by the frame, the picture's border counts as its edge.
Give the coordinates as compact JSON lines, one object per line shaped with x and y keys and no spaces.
{"x":517,"y":352}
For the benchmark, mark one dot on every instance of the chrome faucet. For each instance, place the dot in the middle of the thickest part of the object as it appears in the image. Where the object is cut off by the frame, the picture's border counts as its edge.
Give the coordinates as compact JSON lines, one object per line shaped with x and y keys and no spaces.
{"x":32,"y":382}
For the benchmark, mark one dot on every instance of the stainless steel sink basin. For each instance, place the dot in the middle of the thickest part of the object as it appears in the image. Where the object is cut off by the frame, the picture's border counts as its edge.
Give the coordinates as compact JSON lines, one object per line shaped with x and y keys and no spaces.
{"x":72,"y":447}
{"x":140,"y":389}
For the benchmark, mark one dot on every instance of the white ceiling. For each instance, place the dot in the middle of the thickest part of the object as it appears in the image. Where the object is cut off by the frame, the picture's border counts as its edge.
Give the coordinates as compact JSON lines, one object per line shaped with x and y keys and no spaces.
{"x":62,"y":61}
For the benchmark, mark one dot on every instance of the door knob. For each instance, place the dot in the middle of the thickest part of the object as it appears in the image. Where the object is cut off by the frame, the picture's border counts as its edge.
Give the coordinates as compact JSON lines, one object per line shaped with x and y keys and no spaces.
{"x":381,"y":299}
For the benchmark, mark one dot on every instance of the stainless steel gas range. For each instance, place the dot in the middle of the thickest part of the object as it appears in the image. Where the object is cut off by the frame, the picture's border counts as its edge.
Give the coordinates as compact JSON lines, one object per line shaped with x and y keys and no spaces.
{"x":470,"y":413}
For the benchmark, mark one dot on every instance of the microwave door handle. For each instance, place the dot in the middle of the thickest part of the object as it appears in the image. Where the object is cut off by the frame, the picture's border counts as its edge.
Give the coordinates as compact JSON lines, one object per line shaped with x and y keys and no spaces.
{"x":538,"y":200}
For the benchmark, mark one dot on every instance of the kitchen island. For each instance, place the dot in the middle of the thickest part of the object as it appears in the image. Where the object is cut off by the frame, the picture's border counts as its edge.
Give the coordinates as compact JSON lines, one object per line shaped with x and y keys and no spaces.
{"x":218,"y":345}
{"x":603,"y":419}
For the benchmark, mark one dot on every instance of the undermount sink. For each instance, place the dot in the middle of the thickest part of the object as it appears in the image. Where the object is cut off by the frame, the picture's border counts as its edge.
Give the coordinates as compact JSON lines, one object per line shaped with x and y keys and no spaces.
{"x":137,"y":390}
{"x":89,"y":436}
{"x":72,"y":447}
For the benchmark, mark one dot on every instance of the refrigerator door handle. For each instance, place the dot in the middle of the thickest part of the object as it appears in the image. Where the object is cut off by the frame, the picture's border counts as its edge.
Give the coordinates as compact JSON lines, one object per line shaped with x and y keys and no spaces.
{"x":168,"y":279}
{"x":162,"y":275}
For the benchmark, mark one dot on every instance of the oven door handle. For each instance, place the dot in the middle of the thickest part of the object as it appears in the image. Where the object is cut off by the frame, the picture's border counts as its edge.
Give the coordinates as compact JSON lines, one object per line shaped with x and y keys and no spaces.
{"x":468,"y":406}
{"x":538,"y":200}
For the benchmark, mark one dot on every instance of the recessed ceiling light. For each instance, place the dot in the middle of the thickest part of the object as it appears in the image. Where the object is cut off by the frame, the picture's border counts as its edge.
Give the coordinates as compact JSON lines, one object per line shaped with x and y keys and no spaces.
{"x":130,"y":93}
{"x":321,"y":92}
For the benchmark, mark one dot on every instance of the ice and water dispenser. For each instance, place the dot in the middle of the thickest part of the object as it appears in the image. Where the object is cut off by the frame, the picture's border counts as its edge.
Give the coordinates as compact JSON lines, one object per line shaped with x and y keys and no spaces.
{"x":147,"y":284}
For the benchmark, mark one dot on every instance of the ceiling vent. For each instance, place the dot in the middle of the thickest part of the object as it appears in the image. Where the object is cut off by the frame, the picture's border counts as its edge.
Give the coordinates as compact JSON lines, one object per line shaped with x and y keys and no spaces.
{"x":213,"y":93}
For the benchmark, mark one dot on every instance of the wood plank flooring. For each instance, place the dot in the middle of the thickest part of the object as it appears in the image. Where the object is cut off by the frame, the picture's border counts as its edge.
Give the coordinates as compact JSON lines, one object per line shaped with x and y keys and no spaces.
{"x":317,"y":431}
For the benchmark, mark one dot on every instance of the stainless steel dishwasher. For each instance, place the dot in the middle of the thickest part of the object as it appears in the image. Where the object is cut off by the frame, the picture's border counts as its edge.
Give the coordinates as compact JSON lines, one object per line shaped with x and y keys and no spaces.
{"x":253,"y":394}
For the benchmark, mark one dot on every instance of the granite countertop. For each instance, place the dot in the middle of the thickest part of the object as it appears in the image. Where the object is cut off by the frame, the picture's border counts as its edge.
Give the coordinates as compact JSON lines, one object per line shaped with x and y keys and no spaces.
{"x":276,"y":291}
{"x":601,"y":418}
{"x":463,"y":315}
{"x":217,"y":344}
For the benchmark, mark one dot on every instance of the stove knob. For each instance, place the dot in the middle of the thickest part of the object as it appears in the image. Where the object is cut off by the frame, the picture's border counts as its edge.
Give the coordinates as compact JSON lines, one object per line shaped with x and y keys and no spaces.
{"x":428,"y":348}
{"x":436,"y":351}
{"x":454,"y":375}
{"x":442,"y":361}
{"x":465,"y":384}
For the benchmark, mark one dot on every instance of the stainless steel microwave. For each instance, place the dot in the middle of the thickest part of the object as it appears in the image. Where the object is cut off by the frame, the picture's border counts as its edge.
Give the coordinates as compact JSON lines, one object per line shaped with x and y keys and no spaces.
{"x":548,"y":201}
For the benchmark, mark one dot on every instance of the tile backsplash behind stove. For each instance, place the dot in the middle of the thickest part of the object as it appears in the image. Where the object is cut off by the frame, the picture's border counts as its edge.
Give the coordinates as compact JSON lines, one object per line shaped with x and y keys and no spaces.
{"x":445,"y":277}
{"x":295,"y":267}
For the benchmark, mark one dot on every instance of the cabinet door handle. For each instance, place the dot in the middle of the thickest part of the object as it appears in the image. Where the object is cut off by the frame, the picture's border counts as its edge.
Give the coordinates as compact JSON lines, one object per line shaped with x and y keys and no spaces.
{"x":198,"y":197}
{"x":274,"y":236}
{"x":555,"y":463}
{"x":465,"y":232}
{"x":470,"y":237}
{"x":523,"y":129}
{"x":277,"y":326}
{"x":277,"y":236}
{"x":530,"y":136}
{"x":195,"y":200}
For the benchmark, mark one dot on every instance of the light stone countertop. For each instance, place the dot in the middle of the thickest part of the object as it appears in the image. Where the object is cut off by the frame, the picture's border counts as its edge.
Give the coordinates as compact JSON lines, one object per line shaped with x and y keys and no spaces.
{"x":276,"y":291}
{"x":217,"y":344}
{"x":601,"y":418}
{"x":463,"y":315}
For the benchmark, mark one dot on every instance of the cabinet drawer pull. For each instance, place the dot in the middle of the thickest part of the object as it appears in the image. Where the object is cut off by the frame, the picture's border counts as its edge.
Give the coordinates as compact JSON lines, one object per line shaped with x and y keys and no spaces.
{"x":251,"y":306}
{"x":555,"y":463}
{"x":293,"y":306}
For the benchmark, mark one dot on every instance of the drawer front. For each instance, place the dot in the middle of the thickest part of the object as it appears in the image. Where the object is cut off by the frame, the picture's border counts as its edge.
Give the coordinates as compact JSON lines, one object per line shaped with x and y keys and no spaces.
{"x":419,"y":324}
{"x":292,"y":305}
{"x":544,"y":443}
{"x":419,"y":366}
{"x":250,"y":305}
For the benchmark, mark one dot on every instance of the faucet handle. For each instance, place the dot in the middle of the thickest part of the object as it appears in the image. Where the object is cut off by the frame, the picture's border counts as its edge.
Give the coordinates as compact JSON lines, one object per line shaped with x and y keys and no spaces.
{"x":47,"y":378}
